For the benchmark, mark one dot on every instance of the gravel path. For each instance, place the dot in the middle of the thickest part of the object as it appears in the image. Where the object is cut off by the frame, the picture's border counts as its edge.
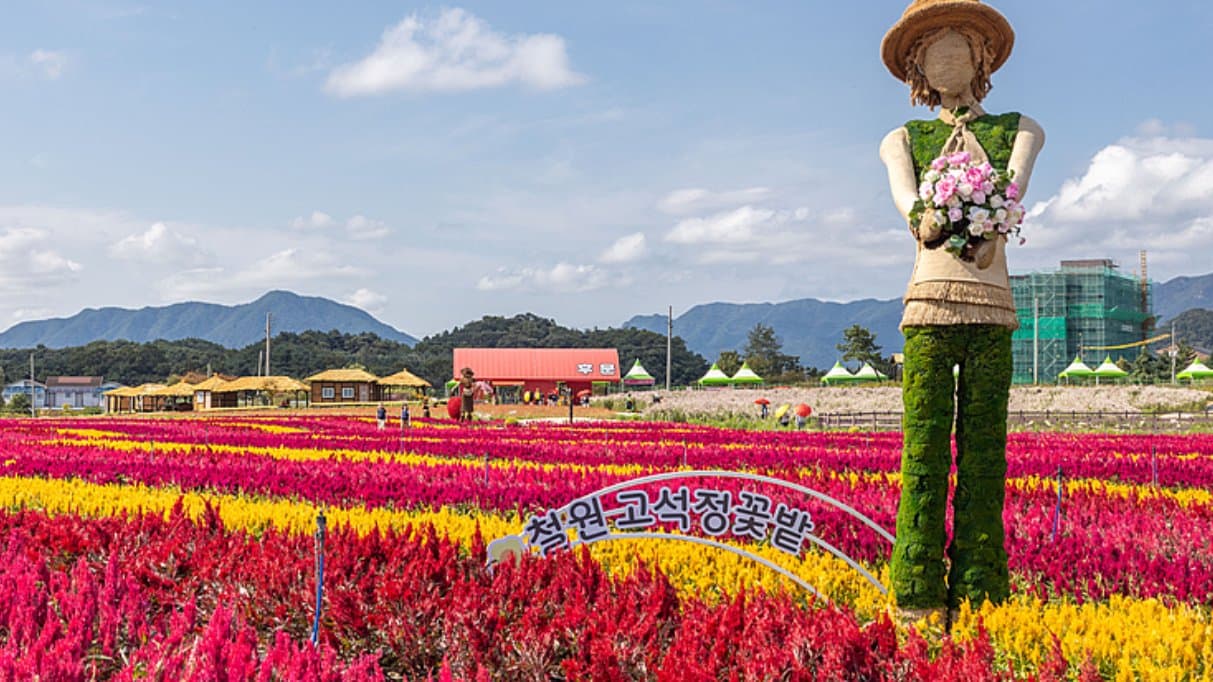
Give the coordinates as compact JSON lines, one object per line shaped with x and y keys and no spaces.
{"x":888,"y":399}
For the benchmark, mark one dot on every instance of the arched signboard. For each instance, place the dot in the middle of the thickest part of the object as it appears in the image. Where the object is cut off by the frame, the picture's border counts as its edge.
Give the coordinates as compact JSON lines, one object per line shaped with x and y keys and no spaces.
{"x":625,"y":512}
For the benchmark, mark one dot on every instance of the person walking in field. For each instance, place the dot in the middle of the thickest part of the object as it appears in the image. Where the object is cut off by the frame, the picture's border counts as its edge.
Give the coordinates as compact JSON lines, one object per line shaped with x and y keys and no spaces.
{"x":405,"y":418}
{"x":381,"y":416}
{"x":467,"y":394}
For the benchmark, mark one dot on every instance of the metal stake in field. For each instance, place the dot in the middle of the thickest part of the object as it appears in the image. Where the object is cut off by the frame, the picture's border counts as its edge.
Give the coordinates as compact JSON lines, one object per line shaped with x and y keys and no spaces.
{"x":1057,"y":509}
{"x":321,"y":523}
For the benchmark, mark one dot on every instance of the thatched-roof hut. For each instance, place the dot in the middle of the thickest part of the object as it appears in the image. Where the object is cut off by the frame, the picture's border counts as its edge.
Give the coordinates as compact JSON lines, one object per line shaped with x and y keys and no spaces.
{"x":345,"y":386}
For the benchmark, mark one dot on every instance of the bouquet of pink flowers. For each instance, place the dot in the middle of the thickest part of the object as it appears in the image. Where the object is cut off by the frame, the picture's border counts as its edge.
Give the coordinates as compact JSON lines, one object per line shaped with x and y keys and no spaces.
{"x":969,"y":203}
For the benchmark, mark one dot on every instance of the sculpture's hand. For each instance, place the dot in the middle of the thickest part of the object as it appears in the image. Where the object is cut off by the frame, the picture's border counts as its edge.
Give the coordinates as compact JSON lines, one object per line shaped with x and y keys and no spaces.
{"x":928,"y":230}
{"x":983,"y":253}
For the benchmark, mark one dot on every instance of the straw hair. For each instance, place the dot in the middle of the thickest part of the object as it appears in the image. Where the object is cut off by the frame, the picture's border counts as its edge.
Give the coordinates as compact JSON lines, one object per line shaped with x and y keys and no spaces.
{"x":924,"y":17}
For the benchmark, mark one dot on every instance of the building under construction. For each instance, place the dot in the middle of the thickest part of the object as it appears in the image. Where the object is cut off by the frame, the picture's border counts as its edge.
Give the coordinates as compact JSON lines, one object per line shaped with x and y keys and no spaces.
{"x":1087,"y":308}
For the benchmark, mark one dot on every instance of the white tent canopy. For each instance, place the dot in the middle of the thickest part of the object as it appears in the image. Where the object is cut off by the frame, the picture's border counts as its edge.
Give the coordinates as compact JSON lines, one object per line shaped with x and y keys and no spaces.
{"x":869,"y":373}
{"x":837,"y":375}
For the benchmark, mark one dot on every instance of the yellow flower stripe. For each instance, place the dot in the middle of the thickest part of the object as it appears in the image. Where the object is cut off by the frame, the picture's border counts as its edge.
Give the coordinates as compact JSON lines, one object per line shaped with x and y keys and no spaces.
{"x":126,"y":444}
{"x":1187,"y":497}
{"x":1140,"y":638}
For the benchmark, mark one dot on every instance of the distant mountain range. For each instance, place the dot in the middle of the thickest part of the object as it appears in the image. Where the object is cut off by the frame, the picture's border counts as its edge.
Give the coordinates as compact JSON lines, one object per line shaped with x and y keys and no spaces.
{"x":1181,"y":294}
{"x":230,"y":326}
{"x":810,"y":328}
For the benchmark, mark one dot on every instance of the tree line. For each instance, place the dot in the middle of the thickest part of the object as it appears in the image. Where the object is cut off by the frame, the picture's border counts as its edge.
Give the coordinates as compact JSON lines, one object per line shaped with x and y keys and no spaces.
{"x":763,"y":352}
{"x":303,"y":354}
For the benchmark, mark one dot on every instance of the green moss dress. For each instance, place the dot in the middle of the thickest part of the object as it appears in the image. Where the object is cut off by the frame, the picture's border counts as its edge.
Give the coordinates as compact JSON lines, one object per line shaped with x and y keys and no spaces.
{"x":948,"y":324}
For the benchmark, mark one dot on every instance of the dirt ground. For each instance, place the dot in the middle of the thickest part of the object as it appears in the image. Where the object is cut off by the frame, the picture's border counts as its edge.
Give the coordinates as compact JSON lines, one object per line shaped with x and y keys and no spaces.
{"x":888,"y":399}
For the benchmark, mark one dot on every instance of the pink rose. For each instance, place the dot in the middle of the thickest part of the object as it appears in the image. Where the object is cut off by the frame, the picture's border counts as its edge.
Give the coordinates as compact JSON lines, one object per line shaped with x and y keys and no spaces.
{"x":1013,"y":190}
{"x":939,"y":164}
{"x":960,"y":158}
{"x":945,"y":190}
{"x":925,"y":190}
{"x":955,"y":214}
{"x":979,"y":197}
{"x":987,"y":187}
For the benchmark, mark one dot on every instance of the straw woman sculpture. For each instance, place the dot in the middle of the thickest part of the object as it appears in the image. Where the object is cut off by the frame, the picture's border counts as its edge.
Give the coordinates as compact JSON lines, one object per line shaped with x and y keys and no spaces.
{"x":958,"y":311}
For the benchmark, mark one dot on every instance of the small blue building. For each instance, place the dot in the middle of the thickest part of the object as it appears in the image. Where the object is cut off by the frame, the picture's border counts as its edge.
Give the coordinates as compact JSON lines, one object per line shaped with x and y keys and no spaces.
{"x":23,"y":388}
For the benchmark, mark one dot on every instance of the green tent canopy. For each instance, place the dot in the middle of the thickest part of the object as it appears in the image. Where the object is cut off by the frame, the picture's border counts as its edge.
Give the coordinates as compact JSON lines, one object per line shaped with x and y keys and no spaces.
{"x":1196,"y":372}
{"x":869,"y":373}
{"x":637,"y":376}
{"x":715,"y":377}
{"x":837,"y":375}
{"x":1077,"y":370}
{"x":746,"y":376}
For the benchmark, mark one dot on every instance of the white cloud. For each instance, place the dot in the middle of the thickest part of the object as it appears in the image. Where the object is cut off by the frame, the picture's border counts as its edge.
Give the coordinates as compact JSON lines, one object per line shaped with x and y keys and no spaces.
{"x":28,"y":263}
{"x":625,"y":249}
{"x":23,"y":314}
{"x":281,"y":270}
{"x":318,"y":220}
{"x":1152,"y":193}
{"x":360,"y":227}
{"x":49,"y":64}
{"x":562,"y":278}
{"x":366,"y":299}
{"x":695,"y":199}
{"x":455,"y":51}
{"x":738,"y":226}
{"x":160,"y":244}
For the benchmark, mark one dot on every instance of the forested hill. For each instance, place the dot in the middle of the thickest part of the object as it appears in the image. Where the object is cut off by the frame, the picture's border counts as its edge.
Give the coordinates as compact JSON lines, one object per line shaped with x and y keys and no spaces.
{"x":303,"y":354}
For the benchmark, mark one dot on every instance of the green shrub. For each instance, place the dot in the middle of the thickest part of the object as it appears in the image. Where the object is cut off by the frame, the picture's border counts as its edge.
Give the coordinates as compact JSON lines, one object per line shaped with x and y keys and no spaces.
{"x":19,"y":404}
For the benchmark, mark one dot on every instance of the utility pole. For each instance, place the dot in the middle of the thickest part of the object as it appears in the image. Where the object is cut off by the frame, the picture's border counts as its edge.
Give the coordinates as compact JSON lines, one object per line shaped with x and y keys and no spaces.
{"x":669,"y":347}
{"x":267,"y":344}
{"x":260,"y":354}
{"x":1174,"y":351}
{"x":33,"y":390}
{"x":1035,"y":340}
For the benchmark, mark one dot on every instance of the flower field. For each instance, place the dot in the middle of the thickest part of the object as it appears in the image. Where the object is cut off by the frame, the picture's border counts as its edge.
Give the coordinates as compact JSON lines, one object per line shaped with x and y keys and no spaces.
{"x":183,"y":548}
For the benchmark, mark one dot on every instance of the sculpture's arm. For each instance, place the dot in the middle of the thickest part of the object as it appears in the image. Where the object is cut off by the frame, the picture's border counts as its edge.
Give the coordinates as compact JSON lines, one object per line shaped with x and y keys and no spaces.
{"x":1028,"y":142}
{"x":895,"y":152}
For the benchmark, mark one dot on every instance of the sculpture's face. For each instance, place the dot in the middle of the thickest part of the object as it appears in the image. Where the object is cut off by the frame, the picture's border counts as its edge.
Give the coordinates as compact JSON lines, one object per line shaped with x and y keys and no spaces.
{"x":948,"y":65}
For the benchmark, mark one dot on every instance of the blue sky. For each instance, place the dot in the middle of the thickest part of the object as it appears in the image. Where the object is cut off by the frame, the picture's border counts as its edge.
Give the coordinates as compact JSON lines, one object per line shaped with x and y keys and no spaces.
{"x":435,"y":163}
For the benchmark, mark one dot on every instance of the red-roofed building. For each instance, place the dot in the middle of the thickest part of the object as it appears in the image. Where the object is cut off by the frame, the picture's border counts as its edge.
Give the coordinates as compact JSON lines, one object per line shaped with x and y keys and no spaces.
{"x":518,"y":370}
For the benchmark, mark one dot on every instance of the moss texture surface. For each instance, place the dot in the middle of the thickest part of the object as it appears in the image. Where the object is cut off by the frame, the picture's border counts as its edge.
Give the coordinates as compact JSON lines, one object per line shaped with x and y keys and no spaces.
{"x":995,"y":133}
{"x":978,"y":397}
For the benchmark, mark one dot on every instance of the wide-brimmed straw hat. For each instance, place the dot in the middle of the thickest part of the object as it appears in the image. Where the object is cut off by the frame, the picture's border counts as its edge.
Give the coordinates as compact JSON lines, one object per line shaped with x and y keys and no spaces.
{"x":924,"y":16}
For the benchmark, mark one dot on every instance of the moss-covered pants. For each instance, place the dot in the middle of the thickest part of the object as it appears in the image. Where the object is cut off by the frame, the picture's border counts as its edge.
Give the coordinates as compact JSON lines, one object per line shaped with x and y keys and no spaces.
{"x":977,"y":554}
